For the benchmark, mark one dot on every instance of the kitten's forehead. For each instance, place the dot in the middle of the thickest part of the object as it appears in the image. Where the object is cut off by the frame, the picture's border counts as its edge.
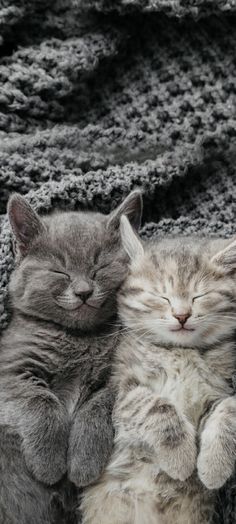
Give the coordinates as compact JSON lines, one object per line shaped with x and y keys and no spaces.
{"x":66,"y":225}
{"x":77,"y":235}
{"x":184,"y":260}
{"x":176,"y":269}
{"x":193,"y":244}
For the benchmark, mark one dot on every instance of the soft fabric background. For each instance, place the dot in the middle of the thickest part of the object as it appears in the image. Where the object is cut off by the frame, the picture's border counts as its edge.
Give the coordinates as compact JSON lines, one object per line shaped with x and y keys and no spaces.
{"x":100,"y":96}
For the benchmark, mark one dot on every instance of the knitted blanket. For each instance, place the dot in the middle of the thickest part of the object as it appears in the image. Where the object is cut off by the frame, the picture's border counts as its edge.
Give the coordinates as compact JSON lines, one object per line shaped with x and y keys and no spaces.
{"x":100,"y":96}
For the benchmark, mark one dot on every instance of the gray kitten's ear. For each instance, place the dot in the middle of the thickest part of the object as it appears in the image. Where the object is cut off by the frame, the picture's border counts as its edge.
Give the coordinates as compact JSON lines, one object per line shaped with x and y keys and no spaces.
{"x":129,"y":239}
{"x":132,"y":207}
{"x":25,"y":223}
{"x":226,"y":258}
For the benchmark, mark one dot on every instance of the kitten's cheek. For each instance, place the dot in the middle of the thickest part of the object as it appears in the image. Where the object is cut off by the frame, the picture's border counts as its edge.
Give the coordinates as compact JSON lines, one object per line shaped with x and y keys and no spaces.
{"x":58,"y":290}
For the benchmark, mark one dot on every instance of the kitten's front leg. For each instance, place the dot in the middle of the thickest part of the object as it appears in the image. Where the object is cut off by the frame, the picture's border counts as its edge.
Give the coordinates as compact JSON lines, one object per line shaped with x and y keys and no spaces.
{"x":217,"y":455}
{"x":44,"y":427}
{"x":91,"y":438}
{"x":156,"y":421}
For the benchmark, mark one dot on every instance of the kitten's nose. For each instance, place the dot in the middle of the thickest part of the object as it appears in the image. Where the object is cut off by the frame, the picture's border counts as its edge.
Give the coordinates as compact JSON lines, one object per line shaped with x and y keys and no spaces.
{"x":182,"y":318}
{"x":84,"y":295}
{"x":82,"y":289}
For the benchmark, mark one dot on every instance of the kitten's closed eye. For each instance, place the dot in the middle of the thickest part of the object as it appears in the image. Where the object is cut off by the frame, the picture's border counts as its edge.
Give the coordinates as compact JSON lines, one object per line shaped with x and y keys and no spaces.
{"x":200,"y":296}
{"x":60,"y":273}
{"x":164,"y":298}
{"x":100,"y":268}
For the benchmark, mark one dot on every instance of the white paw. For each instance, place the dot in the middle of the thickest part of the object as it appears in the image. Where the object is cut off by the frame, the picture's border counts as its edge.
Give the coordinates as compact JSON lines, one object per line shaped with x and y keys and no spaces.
{"x":213,"y":475}
{"x":178,"y":451}
{"x":180,"y":461}
{"x":216,"y":460}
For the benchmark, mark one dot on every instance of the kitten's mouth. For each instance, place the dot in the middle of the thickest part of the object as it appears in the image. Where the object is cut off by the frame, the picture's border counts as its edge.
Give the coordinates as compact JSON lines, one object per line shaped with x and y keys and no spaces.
{"x":182,"y":329}
{"x":78,"y":307}
{"x":88,"y":306}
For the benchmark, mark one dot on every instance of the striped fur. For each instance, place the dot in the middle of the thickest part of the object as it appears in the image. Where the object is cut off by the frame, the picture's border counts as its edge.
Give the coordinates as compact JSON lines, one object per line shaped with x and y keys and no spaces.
{"x":175,"y":413}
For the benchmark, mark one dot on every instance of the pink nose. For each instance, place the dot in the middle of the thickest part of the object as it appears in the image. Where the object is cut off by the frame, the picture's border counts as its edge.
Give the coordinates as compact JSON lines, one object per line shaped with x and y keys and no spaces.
{"x":182,"y":318}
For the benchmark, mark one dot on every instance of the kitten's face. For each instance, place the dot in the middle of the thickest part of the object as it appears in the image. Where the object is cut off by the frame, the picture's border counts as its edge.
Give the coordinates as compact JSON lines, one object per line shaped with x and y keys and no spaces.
{"x":177,"y":294}
{"x":69,"y":273}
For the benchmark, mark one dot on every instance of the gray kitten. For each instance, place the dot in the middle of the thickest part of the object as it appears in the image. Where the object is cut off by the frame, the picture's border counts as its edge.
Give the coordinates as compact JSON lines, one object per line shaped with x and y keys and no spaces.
{"x":175,"y":413}
{"x":55,"y":400}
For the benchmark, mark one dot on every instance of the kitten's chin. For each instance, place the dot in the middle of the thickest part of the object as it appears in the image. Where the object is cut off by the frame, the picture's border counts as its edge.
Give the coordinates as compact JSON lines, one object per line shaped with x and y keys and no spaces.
{"x":180,"y":337}
{"x":87,"y":317}
{"x":184,"y":336}
{"x":194,"y":338}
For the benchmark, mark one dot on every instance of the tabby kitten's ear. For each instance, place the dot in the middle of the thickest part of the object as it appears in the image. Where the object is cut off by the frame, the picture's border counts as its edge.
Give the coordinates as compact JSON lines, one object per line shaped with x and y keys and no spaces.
{"x":129,"y":239}
{"x":226,"y":258}
{"x":25,"y":223}
{"x":132,"y":207}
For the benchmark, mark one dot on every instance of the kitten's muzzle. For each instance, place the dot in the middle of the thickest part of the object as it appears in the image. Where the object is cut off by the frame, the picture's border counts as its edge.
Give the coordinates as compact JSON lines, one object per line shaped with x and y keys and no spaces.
{"x":182,"y":320}
{"x":82,"y":289}
{"x":78,"y":303}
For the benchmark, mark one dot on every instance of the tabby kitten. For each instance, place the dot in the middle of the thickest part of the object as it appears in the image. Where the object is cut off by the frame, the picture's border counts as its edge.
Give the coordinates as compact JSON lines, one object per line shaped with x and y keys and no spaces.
{"x":55,"y":400}
{"x":175,"y":414}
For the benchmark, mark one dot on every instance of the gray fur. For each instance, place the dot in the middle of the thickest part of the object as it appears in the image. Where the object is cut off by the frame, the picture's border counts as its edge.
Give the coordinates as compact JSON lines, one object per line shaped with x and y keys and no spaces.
{"x":55,"y":355}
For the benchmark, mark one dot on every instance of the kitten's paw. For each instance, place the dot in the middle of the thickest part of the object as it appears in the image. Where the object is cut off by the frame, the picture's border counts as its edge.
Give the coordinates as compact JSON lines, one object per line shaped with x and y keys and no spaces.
{"x":45,"y":430}
{"x":46,"y":465}
{"x":88,"y":453}
{"x":216,"y":460}
{"x":177,"y":450}
{"x":179,"y":461}
{"x":213,"y":472}
{"x":83,"y":471}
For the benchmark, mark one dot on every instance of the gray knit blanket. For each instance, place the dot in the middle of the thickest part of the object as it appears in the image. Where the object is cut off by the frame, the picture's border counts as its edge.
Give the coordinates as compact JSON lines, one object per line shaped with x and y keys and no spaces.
{"x":100,"y":96}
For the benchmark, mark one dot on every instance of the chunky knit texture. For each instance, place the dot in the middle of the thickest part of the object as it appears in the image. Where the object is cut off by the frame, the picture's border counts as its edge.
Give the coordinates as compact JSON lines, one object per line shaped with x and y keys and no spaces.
{"x":100,"y":96}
